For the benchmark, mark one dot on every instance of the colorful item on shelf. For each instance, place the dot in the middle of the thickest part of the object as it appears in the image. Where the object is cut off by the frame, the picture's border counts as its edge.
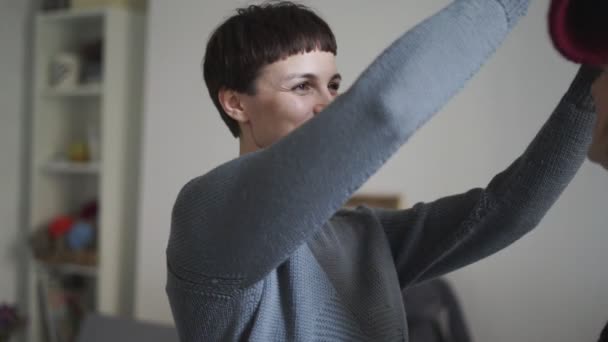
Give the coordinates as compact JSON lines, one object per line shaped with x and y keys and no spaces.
{"x":78,"y":152}
{"x":60,"y":225}
{"x":89,"y":211}
{"x":80,"y":236}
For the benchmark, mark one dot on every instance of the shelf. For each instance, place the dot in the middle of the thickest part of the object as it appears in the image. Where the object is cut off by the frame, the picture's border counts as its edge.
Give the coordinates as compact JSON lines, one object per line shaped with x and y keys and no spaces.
{"x":89,"y":90}
{"x":69,"y":269}
{"x":72,"y":14}
{"x":102,"y":110}
{"x":67,"y":167}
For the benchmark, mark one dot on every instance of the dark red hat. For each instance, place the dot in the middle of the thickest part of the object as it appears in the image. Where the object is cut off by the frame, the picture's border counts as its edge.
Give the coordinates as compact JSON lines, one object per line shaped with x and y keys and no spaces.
{"x":579,"y":30}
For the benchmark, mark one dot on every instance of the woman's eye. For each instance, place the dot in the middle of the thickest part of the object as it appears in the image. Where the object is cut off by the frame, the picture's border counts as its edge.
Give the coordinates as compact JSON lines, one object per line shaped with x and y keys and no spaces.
{"x":334,"y":86}
{"x":302,"y":87}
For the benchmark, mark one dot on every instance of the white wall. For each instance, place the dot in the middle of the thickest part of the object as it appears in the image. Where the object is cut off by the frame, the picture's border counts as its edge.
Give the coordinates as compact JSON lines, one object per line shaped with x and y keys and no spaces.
{"x":546,"y":287}
{"x":12,"y":47}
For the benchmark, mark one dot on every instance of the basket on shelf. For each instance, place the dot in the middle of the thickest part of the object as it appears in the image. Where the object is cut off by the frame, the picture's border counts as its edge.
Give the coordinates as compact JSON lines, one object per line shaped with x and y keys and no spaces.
{"x":50,"y":251}
{"x":68,"y":239}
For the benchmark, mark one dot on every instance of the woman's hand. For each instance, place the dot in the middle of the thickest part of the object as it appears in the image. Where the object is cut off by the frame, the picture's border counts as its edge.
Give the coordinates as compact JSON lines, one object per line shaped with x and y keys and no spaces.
{"x":598,"y":152}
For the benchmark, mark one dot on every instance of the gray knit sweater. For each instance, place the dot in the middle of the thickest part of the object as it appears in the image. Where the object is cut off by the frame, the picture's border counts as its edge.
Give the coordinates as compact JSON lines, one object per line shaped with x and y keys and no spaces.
{"x":260,"y":251}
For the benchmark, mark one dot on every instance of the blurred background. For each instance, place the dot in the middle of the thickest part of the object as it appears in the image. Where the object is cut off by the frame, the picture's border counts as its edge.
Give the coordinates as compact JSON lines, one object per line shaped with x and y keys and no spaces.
{"x":104,"y":116}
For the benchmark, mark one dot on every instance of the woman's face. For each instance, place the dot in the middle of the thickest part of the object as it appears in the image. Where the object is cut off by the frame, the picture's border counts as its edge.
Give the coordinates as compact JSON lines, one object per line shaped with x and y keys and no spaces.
{"x":598,"y":152}
{"x":288,"y":93}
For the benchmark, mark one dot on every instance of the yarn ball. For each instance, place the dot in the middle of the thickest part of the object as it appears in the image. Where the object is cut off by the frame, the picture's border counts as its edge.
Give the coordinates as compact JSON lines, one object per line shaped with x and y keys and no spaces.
{"x":60,"y":225}
{"x":80,"y":236}
{"x":89,"y":210}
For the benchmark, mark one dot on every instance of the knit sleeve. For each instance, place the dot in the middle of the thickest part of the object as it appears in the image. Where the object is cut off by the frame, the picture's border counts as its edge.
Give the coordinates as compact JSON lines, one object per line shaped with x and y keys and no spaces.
{"x":431,"y":239}
{"x":241,"y":220}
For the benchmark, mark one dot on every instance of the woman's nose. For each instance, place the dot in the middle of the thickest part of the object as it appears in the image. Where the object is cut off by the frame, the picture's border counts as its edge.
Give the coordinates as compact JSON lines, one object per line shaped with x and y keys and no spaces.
{"x":323,"y":100}
{"x":319,"y":107}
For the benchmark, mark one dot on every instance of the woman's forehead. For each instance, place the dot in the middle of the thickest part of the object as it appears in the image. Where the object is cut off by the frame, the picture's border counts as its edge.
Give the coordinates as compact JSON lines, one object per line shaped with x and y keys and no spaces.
{"x":316,"y":63}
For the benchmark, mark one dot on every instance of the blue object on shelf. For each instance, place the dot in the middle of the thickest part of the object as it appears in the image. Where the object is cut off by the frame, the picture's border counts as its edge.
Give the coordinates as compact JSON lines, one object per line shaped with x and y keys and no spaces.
{"x":80,"y":236}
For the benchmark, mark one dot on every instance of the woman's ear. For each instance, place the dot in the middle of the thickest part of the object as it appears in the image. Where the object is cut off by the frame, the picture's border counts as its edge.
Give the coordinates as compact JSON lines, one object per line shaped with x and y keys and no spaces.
{"x":231,"y":102}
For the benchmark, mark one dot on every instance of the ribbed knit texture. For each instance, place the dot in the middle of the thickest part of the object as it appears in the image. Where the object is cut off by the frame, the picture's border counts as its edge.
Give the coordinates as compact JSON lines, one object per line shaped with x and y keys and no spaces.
{"x":260,"y":251}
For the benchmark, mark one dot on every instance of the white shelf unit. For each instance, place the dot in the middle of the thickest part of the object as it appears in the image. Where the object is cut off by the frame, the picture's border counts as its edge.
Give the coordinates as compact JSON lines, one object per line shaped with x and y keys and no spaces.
{"x":73,"y":168}
{"x":89,"y":90}
{"x":112,"y":107}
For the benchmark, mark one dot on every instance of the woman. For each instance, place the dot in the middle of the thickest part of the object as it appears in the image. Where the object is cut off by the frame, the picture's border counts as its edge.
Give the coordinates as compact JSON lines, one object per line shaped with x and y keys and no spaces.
{"x":259,"y":249}
{"x":579,"y":31}
{"x":598,"y":152}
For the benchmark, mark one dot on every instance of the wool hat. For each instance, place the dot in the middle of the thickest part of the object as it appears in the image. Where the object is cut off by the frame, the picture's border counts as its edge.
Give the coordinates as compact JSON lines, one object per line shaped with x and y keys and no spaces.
{"x":579,"y":30}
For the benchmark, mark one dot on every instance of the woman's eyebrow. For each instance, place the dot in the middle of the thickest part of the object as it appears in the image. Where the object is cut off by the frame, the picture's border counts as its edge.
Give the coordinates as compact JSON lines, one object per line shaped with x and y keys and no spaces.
{"x":290,"y":77}
{"x":311,"y":76}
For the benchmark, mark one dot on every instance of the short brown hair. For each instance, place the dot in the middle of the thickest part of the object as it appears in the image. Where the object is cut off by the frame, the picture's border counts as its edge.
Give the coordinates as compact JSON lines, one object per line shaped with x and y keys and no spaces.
{"x":256,"y":36}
